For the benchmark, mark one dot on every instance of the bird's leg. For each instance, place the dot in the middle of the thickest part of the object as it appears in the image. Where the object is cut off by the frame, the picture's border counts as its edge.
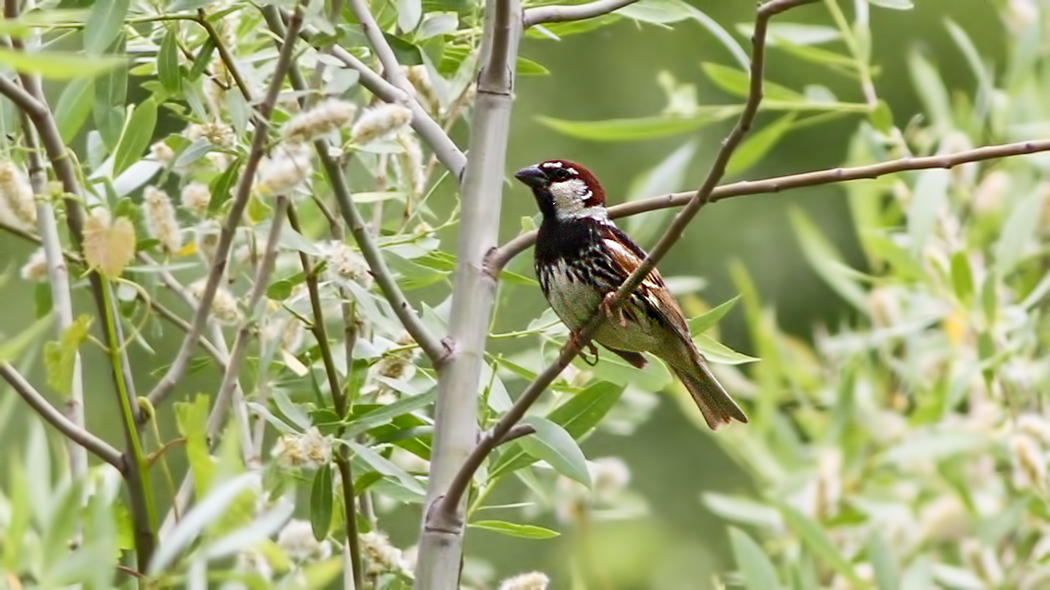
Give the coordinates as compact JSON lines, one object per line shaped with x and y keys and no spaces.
{"x":575,"y":340}
{"x":614,"y":315}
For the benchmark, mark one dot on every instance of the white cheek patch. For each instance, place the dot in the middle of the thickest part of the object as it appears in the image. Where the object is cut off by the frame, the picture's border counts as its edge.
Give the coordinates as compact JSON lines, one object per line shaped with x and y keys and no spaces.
{"x":570,"y":200}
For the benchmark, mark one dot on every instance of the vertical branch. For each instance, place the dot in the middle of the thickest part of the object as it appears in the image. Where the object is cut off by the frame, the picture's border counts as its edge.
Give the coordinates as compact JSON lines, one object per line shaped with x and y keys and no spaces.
{"x":455,"y":422}
{"x":240,"y":201}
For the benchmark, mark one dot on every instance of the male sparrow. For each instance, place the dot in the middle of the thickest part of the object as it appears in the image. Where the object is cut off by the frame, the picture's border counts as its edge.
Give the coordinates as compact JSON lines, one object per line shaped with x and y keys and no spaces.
{"x":581,"y":257}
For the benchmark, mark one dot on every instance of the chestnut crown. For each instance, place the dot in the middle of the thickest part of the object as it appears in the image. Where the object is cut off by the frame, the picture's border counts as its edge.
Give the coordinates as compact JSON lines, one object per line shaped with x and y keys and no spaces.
{"x":565,"y":190}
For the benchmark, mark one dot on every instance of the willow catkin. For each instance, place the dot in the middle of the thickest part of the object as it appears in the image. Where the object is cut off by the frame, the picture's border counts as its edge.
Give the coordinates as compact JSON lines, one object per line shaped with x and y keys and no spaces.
{"x":17,"y":193}
{"x":380,"y":122}
{"x":322,"y":119}
{"x":161,"y":220}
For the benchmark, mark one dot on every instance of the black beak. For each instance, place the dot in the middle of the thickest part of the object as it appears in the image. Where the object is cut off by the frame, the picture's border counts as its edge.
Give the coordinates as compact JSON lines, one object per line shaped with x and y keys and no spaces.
{"x":533,"y":177}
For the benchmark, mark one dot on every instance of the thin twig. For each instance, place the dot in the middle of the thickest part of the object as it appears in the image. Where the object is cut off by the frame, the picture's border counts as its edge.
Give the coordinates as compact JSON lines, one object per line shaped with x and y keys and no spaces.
{"x":502,"y":256}
{"x":539,"y":15}
{"x":391,"y":68}
{"x":240,"y":201}
{"x":443,"y":512}
{"x":73,"y":432}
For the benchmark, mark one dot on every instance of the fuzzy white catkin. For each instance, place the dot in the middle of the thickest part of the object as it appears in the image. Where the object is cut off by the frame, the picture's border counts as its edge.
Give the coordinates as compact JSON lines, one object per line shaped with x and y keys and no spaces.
{"x":345,"y":264}
{"x":297,"y":540}
{"x":379,"y":122}
{"x":162,"y":153}
{"x":161,"y":220}
{"x":416,"y":167}
{"x":216,"y":133}
{"x":310,"y":450}
{"x":325,"y":117}
{"x":35,"y":269}
{"x":16,"y":191}
{"x":527,"y":581}
{"x":223,"y":305}
{"x":196,"y":196}
{"x":283,"y":172}
{"x":382,"y":556}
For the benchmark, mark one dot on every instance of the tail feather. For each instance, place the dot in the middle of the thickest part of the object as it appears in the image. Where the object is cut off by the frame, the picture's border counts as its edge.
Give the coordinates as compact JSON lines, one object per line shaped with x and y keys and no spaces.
{"x":715,"y":404}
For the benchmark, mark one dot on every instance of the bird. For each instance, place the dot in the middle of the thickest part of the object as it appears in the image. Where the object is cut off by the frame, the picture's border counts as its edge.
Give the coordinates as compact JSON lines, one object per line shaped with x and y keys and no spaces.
{"x":581,"y":257}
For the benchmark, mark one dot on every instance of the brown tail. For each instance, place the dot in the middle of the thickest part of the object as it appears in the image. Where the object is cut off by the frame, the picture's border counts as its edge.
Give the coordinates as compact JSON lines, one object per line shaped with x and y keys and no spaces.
{"x":715,"y":404}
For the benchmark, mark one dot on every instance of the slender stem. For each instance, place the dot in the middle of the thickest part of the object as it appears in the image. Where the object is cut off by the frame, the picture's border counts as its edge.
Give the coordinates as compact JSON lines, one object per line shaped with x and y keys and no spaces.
{"x":240,"y":201}
{"x":560,"y":14}
{"x":443,"y":512}
{"x":391,"y":68}
{"x":502,"y":256}
{"x":473,"y":297}
{"x":136,"y":466}
{"x":224,"y":55}
{"x":72,"y":431}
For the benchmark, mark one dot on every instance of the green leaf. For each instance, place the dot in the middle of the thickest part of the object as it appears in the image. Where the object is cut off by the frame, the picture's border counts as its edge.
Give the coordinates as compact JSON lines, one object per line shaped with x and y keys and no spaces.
{"x":59,"y":356}
{"x":168,"y":62}
{"x":321,"y":499}
{"x":583,"y":411}
{"x":222,"y":184}
{"x":202,"y":61}
{"x":755,"y":567}
{"x":527,"y":67}
{"x":706,"y":321}
{"x":738,"y":83}
{"x":893,"y":4}
{"x":138,"y":131}
{"x":801,"y":34}
{"x":280,"y":290}
{"x":407,"y":54}
{"x":887,"y":571}
{"x":743,"y":510}
{"x":73,"y":108}
{"x":932,"y":91}
{"x":757,"y":145}
{"x":640,"y":128}
{"x":826,"y":261}
{"x":192,"y":421}
{"x":716,"y":352}
{"x":930,"y":199}
{"x":666,"y":177}
{"x":384,"y":466}
{"x":962,"y":277}
{"x":362,"y":423}
{"x":104,"y":25}
{"x":10,"y":348}
{"x":110,"y":96}
{"x":524,"y":531}
{"x":657,"y":11}
{"x":552,"y":444}
{"x":58,"y":65}
{"x":409,"y":13}
{"x":1018,"y":233}
{"x":814,"y":537}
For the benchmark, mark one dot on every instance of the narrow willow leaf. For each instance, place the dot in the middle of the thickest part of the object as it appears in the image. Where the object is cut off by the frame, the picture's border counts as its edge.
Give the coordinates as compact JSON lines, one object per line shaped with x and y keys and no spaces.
{"x":384,"y":466}
{"x":931,"y":198}
{"x":104,"y":25}
{"x":321,"y":500}
{"x":552,"y":444}
{"x":658,"y":12}
{"x":59,"y":356}
{"x":73,"y":108}
{"x":136,"y":136}
{"x":58,"y":65}
{"x":202,"y":61}
{"x":168,"y":62}
{"x":706,"y":321}
{"x":814,"y":537}
{"x":755,"y":567}
{"x":527,"y":67}
{"x":826,"y":261}
{"x":1018,"y":233}
{"x":757,"y":145}
{"x":222,"y":184}
{"x":738,"y":83}
{"x":962,"y":277}
{"x":932,"y":91}
{"x":525,"y":531}
{"x":880,"y":554}
{"x":716,"y":352}
{"x":362,"y":423}
{"x":409,"y":13}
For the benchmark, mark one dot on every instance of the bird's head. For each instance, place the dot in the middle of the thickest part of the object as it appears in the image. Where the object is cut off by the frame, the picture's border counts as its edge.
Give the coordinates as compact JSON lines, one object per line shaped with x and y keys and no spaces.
{"x":565,"y":190}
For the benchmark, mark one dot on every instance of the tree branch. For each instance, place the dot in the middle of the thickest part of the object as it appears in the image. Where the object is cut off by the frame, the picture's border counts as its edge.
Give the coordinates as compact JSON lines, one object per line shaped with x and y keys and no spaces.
{"x":240,"y":201}
{"x":391,"y":68}
{"x":473,"y":296}
{"x":499,"y":258}
{"x":559,"y":14}
{"x":73,"y":432}
{"x":442,"y":512}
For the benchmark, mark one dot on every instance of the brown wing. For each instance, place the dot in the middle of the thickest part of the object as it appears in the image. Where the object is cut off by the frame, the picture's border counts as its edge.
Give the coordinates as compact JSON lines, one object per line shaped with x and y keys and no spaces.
{"x":628,"y":256}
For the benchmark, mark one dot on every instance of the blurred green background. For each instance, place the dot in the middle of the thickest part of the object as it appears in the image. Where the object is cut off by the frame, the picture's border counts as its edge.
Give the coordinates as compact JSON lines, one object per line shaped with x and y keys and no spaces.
{"x":611,"y":73}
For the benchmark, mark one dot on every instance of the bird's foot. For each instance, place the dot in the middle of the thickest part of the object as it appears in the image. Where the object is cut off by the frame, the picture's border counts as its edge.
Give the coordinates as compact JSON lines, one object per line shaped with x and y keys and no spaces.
{"x":575,"y":340}
{"x":615,"y":315}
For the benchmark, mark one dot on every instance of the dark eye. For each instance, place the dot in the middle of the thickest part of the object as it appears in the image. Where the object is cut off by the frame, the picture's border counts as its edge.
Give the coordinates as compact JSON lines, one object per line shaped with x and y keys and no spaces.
{"x":560,"y":175}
